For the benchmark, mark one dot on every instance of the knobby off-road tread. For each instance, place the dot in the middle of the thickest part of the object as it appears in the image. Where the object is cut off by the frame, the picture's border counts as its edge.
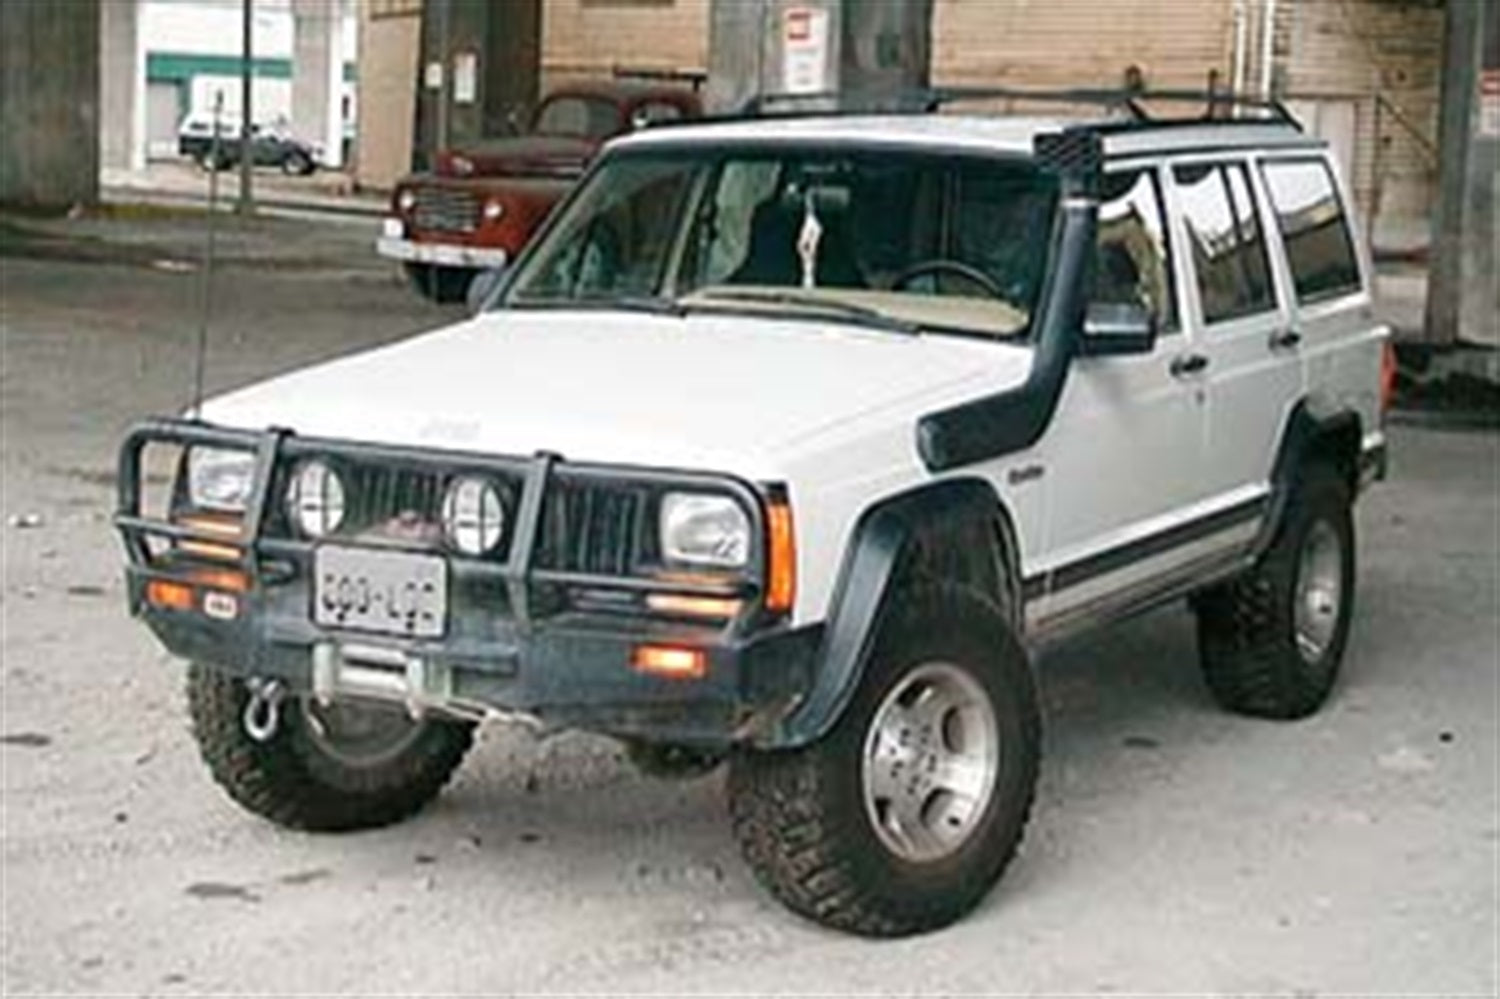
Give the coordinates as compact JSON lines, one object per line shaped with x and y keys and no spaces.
{"x":290,"y":782}
{"x":799,"y":816}
{"x":1247,"y":627}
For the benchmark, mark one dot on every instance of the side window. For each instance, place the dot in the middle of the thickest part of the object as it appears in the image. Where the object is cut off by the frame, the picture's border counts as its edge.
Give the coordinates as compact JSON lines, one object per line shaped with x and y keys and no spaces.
{"x":1228,"y":247}
{"x":652,"y":112}
{"x":1314,"y":228}
{"x":1132,"y":263}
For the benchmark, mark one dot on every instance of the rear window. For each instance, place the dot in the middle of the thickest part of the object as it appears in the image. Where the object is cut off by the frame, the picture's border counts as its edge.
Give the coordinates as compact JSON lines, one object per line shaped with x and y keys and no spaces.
{"x":1314,"y":228}
{"x":1228,"y":247}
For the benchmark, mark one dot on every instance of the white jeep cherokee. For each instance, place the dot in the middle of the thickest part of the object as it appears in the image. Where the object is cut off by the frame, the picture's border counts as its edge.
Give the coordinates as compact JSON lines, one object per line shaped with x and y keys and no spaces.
{"x":788,"y":441}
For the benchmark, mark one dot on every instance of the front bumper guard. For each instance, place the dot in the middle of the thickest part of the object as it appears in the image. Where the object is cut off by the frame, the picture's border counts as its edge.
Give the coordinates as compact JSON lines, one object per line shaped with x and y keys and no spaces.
{"x":556,"y":668}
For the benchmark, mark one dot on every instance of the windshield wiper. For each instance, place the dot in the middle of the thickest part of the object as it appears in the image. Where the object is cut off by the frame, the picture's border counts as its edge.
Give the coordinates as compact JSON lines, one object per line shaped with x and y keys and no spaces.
{"x":654,"y":304}
{"x":810,"y":305}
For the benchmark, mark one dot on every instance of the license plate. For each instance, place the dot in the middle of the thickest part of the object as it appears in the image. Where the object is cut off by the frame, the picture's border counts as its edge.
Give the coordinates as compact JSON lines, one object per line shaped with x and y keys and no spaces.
{"x":395,"y":593}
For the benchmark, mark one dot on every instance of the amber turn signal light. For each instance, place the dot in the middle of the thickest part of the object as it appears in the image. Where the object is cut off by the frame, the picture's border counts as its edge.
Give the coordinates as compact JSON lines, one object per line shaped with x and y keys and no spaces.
{"x":675,"y":662}
{"x":781,"y":557}
{"x":169,"y":595}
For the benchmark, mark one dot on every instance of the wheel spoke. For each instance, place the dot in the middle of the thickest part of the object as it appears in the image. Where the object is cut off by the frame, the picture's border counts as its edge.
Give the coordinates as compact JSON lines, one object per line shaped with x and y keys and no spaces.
{"x":962,"y":776}
{"x":905,"y":821}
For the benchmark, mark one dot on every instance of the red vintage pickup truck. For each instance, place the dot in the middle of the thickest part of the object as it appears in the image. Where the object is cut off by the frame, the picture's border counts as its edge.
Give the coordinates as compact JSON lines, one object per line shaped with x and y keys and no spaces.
{"x":475,"y":210}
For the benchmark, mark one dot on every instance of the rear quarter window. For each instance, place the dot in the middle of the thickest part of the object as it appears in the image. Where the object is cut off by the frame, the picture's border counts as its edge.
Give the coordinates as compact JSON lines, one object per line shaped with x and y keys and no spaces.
{"x":1314,"y":229}
{"x":1224,"y":235}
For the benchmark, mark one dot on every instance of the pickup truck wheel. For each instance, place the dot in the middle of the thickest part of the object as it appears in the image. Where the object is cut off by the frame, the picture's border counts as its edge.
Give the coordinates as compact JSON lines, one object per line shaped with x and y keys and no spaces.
{"x":327,"y":769}
{"x":1271,"y":641}
{"x":904,"y":815}
{"x":444,"y":285}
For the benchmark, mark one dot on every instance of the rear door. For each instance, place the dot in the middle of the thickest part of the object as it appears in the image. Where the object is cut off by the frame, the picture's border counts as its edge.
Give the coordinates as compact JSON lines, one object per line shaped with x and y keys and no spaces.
{"x":1247,"y":355}
{"x":1333,"y":313}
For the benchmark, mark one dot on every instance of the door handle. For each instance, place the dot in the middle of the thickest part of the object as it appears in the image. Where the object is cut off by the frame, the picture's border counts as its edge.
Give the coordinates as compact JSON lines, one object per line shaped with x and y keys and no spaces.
{"x":1187,"y":364}
{"x":1285,"y":340}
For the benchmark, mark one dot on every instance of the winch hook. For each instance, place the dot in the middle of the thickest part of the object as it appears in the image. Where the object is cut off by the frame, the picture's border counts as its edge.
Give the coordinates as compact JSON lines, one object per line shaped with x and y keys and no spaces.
{"x":263,"y":710}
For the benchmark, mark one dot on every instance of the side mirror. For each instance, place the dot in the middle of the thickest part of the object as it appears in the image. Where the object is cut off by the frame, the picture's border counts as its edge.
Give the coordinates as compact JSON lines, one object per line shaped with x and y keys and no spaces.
{"x":482,"y":289}
{"x":1115,"y":328}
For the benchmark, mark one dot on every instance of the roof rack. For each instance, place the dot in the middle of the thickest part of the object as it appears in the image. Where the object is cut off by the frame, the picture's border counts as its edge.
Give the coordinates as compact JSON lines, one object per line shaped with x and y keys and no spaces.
{"x":1217,"y":105}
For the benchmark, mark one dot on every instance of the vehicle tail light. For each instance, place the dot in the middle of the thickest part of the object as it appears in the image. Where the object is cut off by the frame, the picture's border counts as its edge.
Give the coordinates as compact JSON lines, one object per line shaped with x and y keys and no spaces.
{"x":1387,"y":376}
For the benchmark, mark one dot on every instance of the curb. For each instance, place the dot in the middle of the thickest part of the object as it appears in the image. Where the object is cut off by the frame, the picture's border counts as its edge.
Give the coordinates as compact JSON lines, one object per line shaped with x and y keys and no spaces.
{"x":349,"y":208}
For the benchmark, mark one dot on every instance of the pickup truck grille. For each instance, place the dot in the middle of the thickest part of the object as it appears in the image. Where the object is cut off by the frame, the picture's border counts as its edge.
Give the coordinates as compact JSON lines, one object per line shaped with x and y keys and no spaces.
{"x":440,"y":209}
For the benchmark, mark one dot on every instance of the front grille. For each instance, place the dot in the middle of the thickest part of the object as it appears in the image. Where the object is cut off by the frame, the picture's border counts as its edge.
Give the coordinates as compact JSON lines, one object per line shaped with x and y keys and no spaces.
{"x":592,"y":528}
{"x":441,"y":209}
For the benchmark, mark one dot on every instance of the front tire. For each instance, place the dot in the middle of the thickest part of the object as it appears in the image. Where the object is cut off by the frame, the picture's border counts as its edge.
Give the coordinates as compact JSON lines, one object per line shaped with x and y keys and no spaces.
{"x":444,"y":285}
{"x":1272,"y":640}
{"x":344,"y":767}
{"x":903,"y":816}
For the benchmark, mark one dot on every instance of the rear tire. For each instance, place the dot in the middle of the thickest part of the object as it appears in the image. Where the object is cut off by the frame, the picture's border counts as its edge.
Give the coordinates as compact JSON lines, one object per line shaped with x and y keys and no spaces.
{"x":1272,"y":640}
{"x":444,"y":285}
{"x":297,"y":164}
{"x":349,"y":766}
{"x":903,"y":816}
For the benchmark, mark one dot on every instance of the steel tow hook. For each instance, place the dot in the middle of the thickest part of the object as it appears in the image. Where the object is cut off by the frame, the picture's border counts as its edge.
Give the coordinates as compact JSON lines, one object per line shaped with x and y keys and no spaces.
{"x":263,"y":709}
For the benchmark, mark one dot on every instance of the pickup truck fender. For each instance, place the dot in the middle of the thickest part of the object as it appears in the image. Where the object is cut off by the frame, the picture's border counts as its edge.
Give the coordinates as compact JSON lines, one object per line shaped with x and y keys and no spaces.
{"x":953,"y":529}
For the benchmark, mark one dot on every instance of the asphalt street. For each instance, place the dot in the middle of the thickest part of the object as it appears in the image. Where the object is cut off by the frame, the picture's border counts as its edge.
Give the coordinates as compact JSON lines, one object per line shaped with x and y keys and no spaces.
{"x":1174,"y":849}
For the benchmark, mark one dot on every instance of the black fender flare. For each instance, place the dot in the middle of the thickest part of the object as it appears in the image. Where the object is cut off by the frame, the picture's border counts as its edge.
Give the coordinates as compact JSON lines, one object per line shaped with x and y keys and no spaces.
{"x":1311,"y":434}
{"x":873,"y":560}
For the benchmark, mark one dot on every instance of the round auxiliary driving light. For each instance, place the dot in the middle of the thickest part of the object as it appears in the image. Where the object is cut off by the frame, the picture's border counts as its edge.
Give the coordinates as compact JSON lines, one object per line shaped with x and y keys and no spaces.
{"x":473,"y":516}
{"x":316,"y":499}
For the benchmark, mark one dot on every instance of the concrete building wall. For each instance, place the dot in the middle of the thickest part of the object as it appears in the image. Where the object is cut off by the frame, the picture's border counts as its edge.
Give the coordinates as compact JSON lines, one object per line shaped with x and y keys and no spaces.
{"x":389,"y":40}
{"x":49,"y":103}
{"x":584,"y":38}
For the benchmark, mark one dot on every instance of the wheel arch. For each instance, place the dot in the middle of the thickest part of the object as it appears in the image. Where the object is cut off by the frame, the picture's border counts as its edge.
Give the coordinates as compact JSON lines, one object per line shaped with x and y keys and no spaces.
{"x":956,"y":529}
{"x":1312,"y":434}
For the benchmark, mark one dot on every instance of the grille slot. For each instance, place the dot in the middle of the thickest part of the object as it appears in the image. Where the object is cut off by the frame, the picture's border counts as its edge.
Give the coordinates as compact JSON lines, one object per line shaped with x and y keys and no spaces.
{"x":440,"y":209}
{"x":592,"y":528}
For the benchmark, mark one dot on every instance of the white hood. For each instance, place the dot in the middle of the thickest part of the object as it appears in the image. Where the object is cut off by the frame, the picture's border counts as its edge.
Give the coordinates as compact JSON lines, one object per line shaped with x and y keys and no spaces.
{"x":707,"y":392}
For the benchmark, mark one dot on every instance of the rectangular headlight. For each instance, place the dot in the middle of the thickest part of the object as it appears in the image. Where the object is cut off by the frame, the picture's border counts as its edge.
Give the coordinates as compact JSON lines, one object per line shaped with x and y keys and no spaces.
{"x":703,"y":529}
{"x":220,"y":478}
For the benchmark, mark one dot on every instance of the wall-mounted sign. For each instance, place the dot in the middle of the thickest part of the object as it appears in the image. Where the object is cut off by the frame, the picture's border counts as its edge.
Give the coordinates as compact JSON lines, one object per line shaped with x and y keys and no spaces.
{"x":465,"y":77}
{"x":432,"y":76}
{"x":804,"y":50}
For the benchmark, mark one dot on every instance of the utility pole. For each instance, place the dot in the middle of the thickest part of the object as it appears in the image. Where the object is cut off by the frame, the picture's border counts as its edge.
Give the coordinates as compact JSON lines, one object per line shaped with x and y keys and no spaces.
{"x":246,"y":203}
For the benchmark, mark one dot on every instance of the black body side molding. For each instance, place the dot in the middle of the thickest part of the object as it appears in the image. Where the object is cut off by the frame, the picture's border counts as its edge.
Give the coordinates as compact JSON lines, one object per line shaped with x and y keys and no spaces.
{"x":1014,"y":419}
{"x":882,"y":538}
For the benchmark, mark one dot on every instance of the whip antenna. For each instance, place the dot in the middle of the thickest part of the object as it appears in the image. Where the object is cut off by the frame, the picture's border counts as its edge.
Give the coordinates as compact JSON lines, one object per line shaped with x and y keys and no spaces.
{"x":206,"y":272}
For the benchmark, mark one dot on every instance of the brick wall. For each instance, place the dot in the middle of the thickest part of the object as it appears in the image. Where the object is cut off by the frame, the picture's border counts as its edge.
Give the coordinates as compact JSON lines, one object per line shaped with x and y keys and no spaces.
{"x":1058,"y":43}
{"x":582,"y":38}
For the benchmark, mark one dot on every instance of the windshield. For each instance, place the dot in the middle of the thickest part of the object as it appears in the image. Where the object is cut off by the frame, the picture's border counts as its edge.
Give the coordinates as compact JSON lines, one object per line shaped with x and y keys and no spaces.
{"x":922,"y":241}
{"x":586,"y":117}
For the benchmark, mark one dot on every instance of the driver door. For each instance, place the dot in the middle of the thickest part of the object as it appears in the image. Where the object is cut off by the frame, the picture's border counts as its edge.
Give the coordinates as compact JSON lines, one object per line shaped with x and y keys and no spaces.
{"x":1119,"y":461}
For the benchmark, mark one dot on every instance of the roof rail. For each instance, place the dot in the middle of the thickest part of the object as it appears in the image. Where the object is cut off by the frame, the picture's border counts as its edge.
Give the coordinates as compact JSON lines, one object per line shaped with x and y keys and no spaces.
{"x":1217,"y":104}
